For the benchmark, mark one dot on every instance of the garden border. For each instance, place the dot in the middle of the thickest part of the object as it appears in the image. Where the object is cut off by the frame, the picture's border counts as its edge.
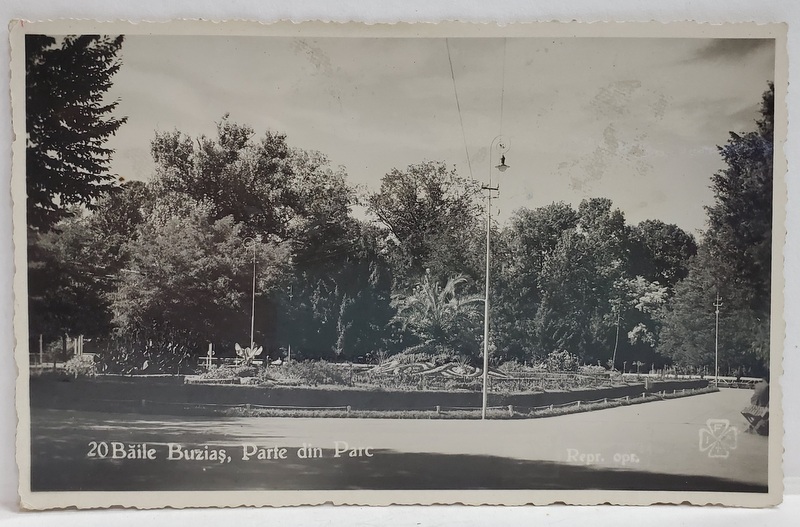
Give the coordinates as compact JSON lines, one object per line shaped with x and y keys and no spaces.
{"x":169,"y":395}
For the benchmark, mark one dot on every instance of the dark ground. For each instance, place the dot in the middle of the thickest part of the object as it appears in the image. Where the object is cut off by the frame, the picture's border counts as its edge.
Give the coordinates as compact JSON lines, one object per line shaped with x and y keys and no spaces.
{"x":661,"y":438}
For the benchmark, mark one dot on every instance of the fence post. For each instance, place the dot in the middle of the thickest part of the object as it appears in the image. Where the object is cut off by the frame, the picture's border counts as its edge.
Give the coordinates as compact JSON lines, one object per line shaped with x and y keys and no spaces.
{"x":644,"y":394}
{"x":511,"y":410}
{"x":348,"y":408}
{"x":247,"y":406}
{"x":627,"y":398}
{"x":438,"y":409}
{"x":605,"y":400}
{"x":551,"y":407}
{"x":578,"y":405}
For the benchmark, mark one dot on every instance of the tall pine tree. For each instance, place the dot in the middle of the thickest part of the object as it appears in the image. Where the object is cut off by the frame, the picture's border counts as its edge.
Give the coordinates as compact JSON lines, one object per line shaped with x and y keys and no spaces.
{"x":734,"y":260}
{"x":68,"y":122}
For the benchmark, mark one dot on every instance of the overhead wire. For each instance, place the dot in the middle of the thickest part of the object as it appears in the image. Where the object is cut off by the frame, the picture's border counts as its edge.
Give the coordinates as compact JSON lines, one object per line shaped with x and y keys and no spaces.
{"x":503,"y":88}
{"x":502,"y":98}
{"x":458,"y":106}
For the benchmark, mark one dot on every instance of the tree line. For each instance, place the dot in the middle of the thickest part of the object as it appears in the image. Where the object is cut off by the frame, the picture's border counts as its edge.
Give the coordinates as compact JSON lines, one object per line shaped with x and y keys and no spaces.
{"x":163,"y":268}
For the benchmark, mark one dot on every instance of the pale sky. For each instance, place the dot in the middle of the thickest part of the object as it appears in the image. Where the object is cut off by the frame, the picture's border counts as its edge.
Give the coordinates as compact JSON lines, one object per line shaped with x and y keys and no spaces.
{"x":634,"y":120}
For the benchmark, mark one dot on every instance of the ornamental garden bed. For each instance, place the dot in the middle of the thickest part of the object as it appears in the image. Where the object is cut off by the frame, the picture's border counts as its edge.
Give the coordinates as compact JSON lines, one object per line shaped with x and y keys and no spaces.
{"x":156,"y":395}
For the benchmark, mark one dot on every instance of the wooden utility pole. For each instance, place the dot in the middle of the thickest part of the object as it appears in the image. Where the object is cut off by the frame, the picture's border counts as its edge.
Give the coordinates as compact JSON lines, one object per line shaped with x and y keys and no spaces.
{"x":717,"y":305}
{"x":502,"y":146}
{"x":616,"y":339}
{"x":488,"y":188}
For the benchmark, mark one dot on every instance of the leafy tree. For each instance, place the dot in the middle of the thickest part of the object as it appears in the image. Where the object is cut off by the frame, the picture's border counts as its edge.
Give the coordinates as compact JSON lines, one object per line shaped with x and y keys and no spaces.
{"x":577,"y":283}
{"x":688,"y":333}
{"x":189,"y":277}
{"x":263,"y":184}
{"x":364,"y":318}
{"x":68,"y":122}
{"x":66,"y":285}
{"x":114,"y":223}
{"x":532,"y":237}
{"x":72,"y":269}
{"x":662,"y":252}
{"x":321,"y":228}
{"x":432,"y":217}
{"x":272,"y":189}
{"x":566,"y":314}
{"x":339,"y":307}
{"x":607,"y":236}
{"x":520,"y":253}
{"x":637,"y":304}
{"x":567,"y":276}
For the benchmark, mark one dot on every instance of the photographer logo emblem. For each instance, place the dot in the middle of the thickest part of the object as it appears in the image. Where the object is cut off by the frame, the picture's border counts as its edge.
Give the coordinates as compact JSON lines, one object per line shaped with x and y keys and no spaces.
{"x":718,"y":438}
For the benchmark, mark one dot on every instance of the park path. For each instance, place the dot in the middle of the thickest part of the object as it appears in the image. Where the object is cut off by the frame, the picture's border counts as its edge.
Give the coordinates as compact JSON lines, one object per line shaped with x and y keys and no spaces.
{"x":660,"y":437}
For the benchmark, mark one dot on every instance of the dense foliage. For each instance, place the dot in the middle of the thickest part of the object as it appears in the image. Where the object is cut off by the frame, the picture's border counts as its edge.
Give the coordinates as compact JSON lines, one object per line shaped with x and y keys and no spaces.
{"x":734,"y":261}
{"x":67,"y":123}
{"x":157,"y":271}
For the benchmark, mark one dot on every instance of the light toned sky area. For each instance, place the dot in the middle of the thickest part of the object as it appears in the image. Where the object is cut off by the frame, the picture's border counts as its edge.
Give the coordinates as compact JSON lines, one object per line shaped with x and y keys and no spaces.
{"x":635,"y":120}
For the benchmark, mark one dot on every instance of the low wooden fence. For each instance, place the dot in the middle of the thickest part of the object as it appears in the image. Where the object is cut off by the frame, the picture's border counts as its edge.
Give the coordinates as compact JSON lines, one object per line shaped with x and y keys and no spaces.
{"x":127,"y":394}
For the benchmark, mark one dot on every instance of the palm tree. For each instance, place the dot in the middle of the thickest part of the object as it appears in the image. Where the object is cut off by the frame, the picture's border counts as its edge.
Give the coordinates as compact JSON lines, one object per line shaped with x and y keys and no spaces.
{"x":440,"y":316}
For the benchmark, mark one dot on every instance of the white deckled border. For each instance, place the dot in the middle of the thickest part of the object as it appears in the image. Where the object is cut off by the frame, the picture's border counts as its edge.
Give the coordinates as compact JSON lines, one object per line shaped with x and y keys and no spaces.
{"x":179,"y":499}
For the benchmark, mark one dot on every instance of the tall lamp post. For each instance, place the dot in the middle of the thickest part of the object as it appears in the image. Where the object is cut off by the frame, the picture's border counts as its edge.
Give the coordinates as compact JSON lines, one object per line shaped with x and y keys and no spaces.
{"x":501,"y":144}
{"x":717,"y":305}
{"x":616,"y":338}
{"x":251,"y":242}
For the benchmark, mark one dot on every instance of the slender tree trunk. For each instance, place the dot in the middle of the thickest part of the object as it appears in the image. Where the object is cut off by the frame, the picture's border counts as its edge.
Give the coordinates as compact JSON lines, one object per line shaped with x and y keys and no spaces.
{"x":63,"y":348}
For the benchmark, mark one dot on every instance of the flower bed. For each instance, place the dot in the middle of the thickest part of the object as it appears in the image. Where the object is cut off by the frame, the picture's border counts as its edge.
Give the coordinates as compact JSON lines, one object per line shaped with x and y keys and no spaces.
{"x":404,"y":375}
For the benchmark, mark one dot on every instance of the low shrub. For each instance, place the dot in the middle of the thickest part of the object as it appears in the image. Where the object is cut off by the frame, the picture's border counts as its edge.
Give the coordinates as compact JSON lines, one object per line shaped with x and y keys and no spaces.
{"x":560,"y":361}
{"x":143,"y":356}
{"x":229,"y":372}
{"x":514,"y":368}
{"x":81,"y":366}
{"x":592,"y":370}
{"x":312,"y":373}
{"x":437,"y":355}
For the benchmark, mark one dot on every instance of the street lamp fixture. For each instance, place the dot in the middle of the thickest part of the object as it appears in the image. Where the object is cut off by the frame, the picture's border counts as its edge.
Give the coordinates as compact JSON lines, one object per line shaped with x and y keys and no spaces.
{"x":501,"y":144}
{"x":502,"y":167}
{"x":251,"y":243}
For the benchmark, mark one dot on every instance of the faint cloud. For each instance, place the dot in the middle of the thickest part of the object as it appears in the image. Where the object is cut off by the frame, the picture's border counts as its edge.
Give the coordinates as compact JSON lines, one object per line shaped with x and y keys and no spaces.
{"x":731,"y":48}
{"x":744,"y":118}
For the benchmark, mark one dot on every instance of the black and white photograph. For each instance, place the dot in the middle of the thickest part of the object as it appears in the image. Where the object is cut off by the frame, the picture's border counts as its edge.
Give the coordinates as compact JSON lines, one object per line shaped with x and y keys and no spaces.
{"x":398,"y":264}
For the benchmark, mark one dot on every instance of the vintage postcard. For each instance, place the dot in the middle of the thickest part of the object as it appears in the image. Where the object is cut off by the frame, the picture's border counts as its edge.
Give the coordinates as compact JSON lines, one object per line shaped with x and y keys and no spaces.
{"x":283,"y":264}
